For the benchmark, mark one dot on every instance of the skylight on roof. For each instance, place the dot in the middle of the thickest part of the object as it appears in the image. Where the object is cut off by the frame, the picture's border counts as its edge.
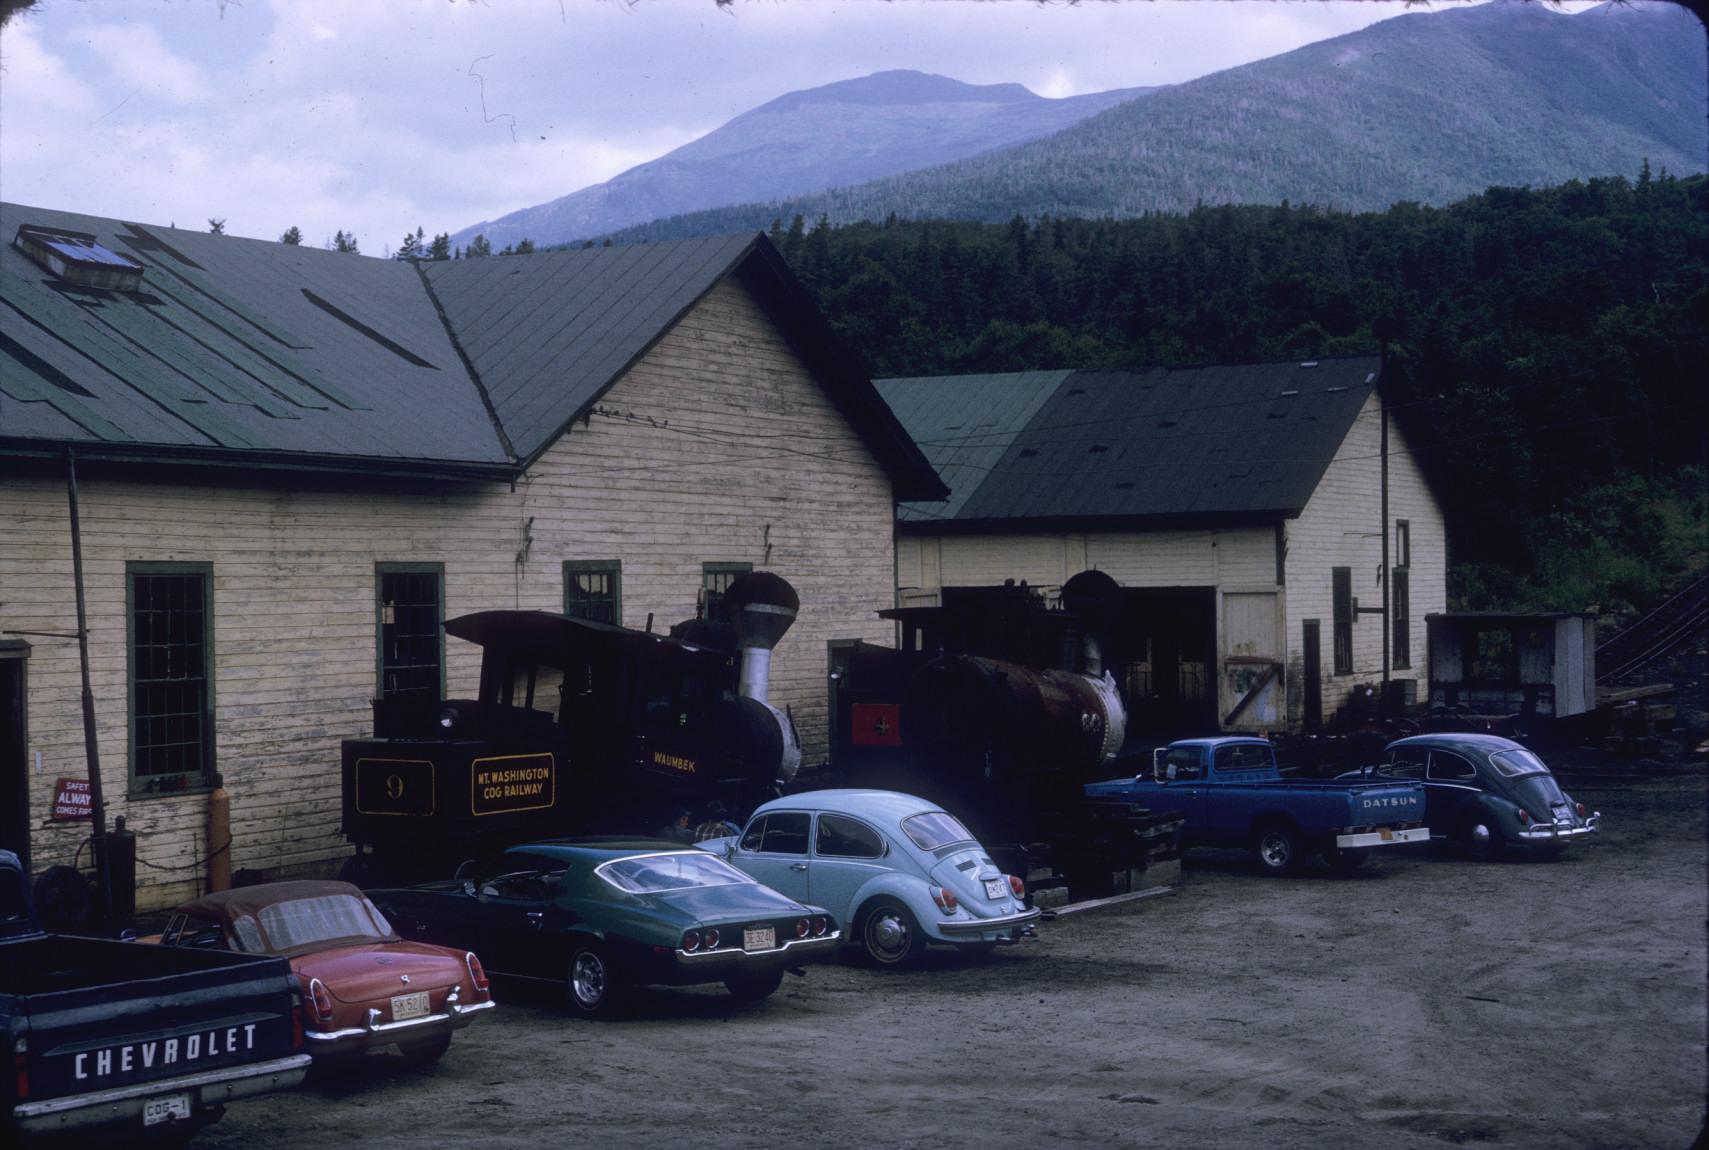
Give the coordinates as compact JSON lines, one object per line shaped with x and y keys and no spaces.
{"x":77,"y":258}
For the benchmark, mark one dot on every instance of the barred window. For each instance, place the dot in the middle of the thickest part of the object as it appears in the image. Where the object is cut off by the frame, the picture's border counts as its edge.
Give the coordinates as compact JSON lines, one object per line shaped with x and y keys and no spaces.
{"x":593,"y":589}
{"x":410,"y":615}
{"x":171,"y":662}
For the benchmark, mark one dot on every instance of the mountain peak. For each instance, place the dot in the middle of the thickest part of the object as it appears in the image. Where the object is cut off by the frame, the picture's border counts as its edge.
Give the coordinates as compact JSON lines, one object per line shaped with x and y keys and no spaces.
{"x":899,"y":86}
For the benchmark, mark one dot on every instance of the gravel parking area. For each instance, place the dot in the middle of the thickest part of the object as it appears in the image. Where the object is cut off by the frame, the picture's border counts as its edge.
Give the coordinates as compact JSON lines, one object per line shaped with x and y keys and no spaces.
{"x":1424,"y":1000}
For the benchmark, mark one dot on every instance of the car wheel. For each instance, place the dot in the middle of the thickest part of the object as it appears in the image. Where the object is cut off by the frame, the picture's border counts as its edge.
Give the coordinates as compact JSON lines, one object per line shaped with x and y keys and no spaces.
{"x":593,"y":985}
{"x":1480,"y":838}
{"x":889,"y":933}
{"x":1277,"y":848}
{"x":754,"y":987}
{"x":1346,"y":861}
{"x":426,"y":1051}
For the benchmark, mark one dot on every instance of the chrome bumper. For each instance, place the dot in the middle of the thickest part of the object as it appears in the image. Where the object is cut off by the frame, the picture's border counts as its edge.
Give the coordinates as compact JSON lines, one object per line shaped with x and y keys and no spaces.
{"x":982,"y":925}
{"x":735,"y":955}
{"x":1379,"y":839}
{"x":1554,"y":832}
{"x":125,"y":1103}
{"x":455,"y":1016}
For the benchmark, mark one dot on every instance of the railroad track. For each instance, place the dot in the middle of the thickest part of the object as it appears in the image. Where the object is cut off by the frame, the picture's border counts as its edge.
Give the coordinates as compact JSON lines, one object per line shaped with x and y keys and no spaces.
{"x":1657,"y":634}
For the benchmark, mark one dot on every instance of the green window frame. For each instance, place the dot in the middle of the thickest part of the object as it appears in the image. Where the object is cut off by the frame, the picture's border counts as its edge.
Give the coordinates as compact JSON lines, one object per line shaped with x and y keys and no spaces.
{"x":169,"y":673}
{"x":715,"y":579}
{"x":593,"y":589}
{"x":409,"y":629}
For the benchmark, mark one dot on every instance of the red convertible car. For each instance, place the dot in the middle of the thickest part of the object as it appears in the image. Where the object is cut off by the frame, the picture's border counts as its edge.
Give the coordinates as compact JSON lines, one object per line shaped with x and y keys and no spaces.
{"x":363,"y":987}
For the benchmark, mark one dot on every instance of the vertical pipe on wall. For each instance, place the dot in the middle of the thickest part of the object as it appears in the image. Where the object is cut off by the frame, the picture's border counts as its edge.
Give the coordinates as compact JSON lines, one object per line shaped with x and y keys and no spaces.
{"x":1383,"y":450}
{"x":91,"y":749}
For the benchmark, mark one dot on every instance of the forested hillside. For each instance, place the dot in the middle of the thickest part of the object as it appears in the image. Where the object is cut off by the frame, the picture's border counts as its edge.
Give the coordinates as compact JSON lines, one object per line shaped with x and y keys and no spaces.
{"x":1546,"y":347}
{"x":1429,"y":106}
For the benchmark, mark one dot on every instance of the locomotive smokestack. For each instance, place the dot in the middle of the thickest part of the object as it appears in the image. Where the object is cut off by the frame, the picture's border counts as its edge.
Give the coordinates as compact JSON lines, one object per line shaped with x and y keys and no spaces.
{"x":762,"y":606}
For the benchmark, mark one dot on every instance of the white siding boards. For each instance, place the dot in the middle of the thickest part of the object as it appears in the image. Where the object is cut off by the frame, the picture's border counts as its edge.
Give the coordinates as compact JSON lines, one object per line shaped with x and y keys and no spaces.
{"x":1224,"y":499}
{"x":719,"y":444}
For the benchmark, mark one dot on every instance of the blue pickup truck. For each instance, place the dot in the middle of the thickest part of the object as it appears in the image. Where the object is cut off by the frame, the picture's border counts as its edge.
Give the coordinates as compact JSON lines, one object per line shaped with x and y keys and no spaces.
{"x":1233,"y":795}
{"x":116,"y":1043}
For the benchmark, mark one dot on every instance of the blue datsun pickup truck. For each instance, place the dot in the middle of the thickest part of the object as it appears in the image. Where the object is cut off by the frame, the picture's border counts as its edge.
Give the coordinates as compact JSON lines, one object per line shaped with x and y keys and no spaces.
{"x":1233,"y":795}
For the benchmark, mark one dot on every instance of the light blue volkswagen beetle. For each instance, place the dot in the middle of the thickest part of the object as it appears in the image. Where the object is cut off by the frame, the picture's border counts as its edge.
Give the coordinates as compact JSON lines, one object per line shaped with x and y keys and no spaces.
{"x":899,"y":870}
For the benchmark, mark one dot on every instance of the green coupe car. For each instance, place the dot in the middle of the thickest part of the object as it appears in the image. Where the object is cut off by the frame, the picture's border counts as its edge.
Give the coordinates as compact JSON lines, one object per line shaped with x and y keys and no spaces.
{"x":604,"y":915}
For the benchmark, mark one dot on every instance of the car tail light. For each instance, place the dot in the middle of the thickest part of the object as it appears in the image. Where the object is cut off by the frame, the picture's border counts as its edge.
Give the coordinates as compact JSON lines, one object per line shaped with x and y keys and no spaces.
{"x":802,"y":927}
{"x":691,"y":941}
{"x":945,"y":899}
{"x":709,"y":940}
{"x":477,"y":973}
{"x":1580,"y":808}
{"x":1016,"y":885}
{"x":1524,"y":817}
{"x":819,"y":925}
{"x":321,"y":1001}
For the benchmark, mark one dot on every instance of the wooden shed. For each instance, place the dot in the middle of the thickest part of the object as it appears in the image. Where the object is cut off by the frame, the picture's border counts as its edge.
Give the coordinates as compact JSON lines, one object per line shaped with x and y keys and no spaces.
{"x":1539,"y":665}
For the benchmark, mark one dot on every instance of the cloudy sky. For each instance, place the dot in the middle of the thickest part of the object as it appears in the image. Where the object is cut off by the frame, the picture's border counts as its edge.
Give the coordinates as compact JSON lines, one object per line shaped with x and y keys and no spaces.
{"x":378,"y":116}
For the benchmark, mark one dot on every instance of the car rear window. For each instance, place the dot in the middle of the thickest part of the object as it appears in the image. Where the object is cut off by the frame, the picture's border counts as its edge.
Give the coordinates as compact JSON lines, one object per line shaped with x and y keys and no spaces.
{"x":935,"y":829}
{"x":1520,"y":762}
{"x":303,"y":922}
{"x":652,"y":874}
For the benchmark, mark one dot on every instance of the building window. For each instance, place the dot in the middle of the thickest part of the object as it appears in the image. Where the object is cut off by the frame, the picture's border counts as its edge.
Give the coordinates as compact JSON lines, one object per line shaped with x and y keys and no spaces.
{"x":409,"y":621}
{"x":715,"y":579}
{"x":1342,"y":586}
{"x":1400,"y":596}
{"x":594,"y":590}
{"x":169,"y":617}
{"x":1402,"y":543}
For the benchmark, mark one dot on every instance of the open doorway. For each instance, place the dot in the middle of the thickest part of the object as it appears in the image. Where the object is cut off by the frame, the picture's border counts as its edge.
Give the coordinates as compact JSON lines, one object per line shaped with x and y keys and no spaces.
{"x":1165,"y":656}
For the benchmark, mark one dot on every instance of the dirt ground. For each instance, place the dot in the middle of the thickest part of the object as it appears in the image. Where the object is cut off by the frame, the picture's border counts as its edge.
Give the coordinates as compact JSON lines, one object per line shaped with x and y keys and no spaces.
{"x":1425,"y":1000}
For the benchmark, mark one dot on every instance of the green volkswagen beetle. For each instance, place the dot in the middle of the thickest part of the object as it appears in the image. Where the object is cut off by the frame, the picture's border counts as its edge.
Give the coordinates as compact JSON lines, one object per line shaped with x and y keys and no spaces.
{"x":605,"y":915}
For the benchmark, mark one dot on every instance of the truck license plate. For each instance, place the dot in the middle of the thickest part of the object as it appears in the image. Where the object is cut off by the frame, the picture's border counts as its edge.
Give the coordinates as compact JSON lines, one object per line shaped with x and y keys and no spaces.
{"x":765,"y":938}
{"x":171,"y":1107}
{"x":996,"y":888}
{"x":408,"y":1006}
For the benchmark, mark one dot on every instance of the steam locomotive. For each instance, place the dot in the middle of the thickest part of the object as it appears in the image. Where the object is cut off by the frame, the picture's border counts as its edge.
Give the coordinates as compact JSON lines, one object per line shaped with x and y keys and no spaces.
{"x":579,"y":726}
{"x":1001,"y":708}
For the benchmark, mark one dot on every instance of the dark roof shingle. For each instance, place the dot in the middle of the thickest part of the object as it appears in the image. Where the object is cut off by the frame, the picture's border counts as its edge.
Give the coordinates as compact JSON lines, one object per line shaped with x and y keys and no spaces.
{"x":1208,"y":444}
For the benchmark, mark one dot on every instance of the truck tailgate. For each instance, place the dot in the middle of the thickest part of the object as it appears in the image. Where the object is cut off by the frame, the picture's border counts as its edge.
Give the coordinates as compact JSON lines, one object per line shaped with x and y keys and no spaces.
{"x":201,"y":1011}
{"x":1384,"y":804}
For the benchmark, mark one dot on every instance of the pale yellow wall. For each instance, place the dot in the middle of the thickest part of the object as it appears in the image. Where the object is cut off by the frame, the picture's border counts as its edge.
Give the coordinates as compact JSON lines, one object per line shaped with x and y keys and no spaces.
{"x":754,"y":466}
{"x":1243,"y":557}
{"x":1340,"y":527}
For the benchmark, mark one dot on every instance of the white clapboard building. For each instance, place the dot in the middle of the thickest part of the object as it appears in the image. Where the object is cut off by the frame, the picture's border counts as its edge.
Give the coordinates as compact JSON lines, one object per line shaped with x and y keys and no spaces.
{"x":1245,"y":510}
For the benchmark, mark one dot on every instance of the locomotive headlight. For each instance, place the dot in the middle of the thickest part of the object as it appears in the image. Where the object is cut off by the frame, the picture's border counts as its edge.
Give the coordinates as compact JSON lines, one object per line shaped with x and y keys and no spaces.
{"x":448,"y":718}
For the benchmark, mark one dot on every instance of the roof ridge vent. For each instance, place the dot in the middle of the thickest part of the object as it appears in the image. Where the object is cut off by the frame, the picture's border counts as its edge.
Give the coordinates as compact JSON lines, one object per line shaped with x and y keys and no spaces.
{"x":77,"y":258}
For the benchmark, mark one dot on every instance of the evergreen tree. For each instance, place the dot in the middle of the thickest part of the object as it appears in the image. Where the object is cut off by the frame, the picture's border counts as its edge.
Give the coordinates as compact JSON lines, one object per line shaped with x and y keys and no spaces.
{"x":293,"y":235}
{"x":479,"y":248}
{"x":414,"y":246}
{"x":216,"y":226}
{"x":440,"y":248}
{"x":343,"y":241}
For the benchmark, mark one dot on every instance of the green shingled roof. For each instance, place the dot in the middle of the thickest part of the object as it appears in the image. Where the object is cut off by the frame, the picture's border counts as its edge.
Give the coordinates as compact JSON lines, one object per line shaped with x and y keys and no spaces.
{"x":1092,"y":449}
{"x":244,"y":351}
